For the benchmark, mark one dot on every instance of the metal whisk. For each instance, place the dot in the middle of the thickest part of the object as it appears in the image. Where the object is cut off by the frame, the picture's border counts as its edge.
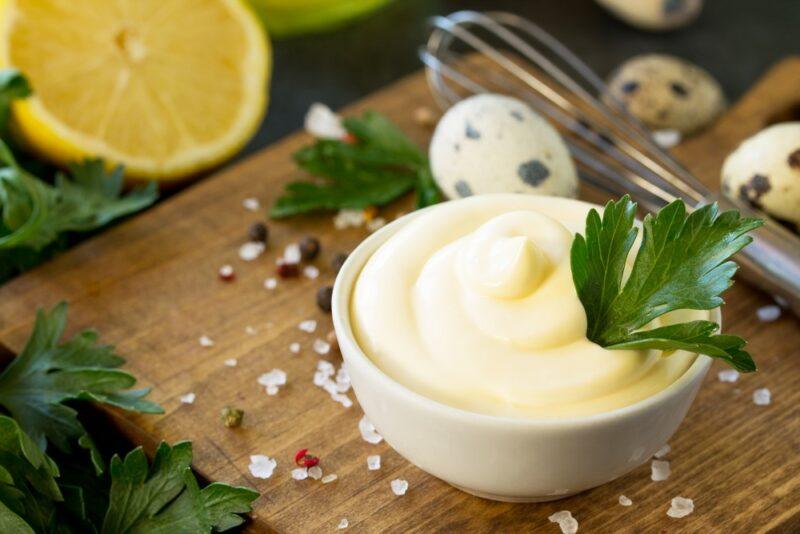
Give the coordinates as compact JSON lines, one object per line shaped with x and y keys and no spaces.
{"x":612,"y":149}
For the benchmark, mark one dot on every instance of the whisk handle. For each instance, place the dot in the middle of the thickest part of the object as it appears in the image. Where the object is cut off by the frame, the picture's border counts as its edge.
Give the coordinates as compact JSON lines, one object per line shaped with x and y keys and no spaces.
{"x":772,"y":260}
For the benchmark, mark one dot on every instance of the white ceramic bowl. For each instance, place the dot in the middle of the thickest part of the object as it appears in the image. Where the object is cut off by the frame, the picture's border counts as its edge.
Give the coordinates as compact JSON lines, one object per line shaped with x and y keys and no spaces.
{"x":505,"y":458}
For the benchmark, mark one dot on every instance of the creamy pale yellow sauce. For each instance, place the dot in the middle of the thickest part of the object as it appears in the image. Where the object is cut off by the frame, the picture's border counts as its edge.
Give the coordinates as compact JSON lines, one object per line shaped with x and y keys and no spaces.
{"x":472,"y":304}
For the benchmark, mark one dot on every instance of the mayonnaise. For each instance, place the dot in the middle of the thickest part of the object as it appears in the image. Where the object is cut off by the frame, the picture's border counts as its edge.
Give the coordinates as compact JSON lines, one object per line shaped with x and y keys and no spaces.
{"x":472,"y":304}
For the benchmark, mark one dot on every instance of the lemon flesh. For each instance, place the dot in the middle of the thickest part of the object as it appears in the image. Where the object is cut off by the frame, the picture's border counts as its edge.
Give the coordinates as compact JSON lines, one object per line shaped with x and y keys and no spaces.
{"x":166,"y":87}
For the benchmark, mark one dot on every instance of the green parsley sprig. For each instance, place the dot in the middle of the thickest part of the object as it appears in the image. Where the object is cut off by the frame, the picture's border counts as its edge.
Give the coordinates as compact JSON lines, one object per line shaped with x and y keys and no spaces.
{"x":378,"y":166}
{"x":682,"y":263}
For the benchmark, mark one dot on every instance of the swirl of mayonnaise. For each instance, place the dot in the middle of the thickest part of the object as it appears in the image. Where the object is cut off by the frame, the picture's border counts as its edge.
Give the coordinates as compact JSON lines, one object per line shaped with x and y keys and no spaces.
{"x":472,"y":303}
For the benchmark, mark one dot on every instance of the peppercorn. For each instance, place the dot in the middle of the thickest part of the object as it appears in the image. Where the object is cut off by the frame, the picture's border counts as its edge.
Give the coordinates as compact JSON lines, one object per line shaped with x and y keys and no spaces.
{"x":324,"y":295}
{"x":338,"y":261}
{"x":226,"y":273}
{"x":309,"y":248}
{"x":303,"y":459}
{"x":258,"y":231}
{"x":287,"y":270}
{"x":232,"y":417}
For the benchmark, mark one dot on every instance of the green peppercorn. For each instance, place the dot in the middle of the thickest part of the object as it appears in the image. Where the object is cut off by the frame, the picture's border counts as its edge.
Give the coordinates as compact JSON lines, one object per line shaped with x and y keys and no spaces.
{"x":232,"y":417}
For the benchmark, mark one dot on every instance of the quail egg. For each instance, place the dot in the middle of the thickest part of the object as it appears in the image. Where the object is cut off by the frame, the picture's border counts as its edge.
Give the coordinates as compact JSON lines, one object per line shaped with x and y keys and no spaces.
{"x":667,"y":93}
{"x":765,"y":171}
{"x":655,"y":15}
{"x":497,"y":144}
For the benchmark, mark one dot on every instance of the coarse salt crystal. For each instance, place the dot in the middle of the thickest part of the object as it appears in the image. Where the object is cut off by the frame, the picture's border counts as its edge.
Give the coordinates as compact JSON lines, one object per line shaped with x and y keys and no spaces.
{"x":251,"y":250}
{"x":315,"y":472}
{"x":308,"y":326}
{"x":344,"y":400}
{"x":680,"y":507}
{"x":262,"y":466}
{"x":348,"y":218}
{"x":231,"y":362}
{"x":659,"y":470}
{"x":300,"y":473}
{"x":321,"y":347}
{"x":326,"y":367}
{"x":322,"y":122}
{"x":376,"y":224}
{"x":272,"y":381}
{"x":769,"y":313}
{"x":399,"y":486}
{"x":368,"y":432}
{"x":206,"y":341}
{"x":762,"y":397}
{"x":270,"y":283}
{"x":624,"y":501}
{"x":667,"y":138}
{"x":251,"y":204}
{"x":291,"y":254}
{"x":310,"y":272}
{"x":272,"y":390}
{"x":327,"y":479}
{"x":728,"y":375}
{"x":343,"y":524}
{"x":294,"y":348}
{"x":374,"y":462}
{"x":342,"y":379}
{"x":249,"y":330}
{"x":663,"y":451}
{"x":188,"y":398}
{"x":567,"y":523}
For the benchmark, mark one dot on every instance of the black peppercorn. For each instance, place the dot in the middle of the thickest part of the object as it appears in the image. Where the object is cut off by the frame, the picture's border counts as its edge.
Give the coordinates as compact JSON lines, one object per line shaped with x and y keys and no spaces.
{"x":324,"y":295}
{"x":309,"y":248}
{"x":338,"y":261}
{"x":258,"y":231}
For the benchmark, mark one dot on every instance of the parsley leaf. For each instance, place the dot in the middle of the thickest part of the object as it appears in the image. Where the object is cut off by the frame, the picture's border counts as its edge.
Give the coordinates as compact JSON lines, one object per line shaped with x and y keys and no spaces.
{"x":682,"y":263}
{"x":47,"y":373}
{"x":379,"y":167}
{"x":165,"y":498}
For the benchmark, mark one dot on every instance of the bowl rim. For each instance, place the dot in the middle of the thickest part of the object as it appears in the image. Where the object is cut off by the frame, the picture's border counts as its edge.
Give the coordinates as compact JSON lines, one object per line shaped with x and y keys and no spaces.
{"x":351,"y":351}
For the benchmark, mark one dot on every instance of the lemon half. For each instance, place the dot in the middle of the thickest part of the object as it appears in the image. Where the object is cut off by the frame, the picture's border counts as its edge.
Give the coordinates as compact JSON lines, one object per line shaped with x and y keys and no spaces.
{"x":166,"y":87}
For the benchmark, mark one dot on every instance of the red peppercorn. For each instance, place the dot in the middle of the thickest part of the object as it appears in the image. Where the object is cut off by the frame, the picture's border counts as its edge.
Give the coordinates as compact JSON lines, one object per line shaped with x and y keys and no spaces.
{"x":287,"y":270}
{"x":303,"y":459}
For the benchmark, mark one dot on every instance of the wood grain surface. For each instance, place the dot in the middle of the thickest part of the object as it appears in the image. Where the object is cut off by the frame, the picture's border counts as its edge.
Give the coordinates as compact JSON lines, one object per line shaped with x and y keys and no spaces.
{"x":150,"y":286}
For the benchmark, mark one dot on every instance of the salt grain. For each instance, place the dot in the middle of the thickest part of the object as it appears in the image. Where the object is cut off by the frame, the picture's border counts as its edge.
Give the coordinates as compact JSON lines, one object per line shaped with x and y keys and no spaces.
{"x":188,"y":398}
{"x":300,"y":473}
{"x":315,"y":472}
{"x":368,"y":432}
{"x":272,"y":381}
{"x":567,"y":523}
{"x":308,"y":326}
{"x":767,"y":314}
{"x":667,"y":138}
{"x":680,"y":507}
{"x":310,"y":272}
{"x":728,"y":375}
{"x":663,"y":451}
{"x":348,"y":218}
{"x":251,"y":204}
{"x":270,"y":283}
{"x":399,"y":486}
{"x":321,"y":347}
{"x":762,"y":397}
{"x":323,"y":123}
{"x":376,"y":224}
{"x":231,"y":362}
{"x":251,"y":250}
{"x":624,"y":501}
{"x":374,"y":462}
{"x":343,"y":524}
{"x":249,"y":330}
{"x":206,"y":341}
{"x":294,"y":348}
{"x":659,"y":470}
{"x":344,"y":400}
{"x":291,"y":254}
{"x":262,"y":466}
{"x":327,"y":479}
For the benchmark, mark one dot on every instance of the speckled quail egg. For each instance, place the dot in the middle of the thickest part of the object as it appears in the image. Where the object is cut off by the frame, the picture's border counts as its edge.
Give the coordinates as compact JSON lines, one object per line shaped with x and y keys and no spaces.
{"x":667,"y":93}
{"x":497,"y":144}
{"x":655,"y":15}
{"x":765,"y":171}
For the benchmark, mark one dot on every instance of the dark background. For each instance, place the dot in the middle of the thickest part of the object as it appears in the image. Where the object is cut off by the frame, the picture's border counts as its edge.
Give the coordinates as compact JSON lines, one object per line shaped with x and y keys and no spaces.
{"x":736,"y":40}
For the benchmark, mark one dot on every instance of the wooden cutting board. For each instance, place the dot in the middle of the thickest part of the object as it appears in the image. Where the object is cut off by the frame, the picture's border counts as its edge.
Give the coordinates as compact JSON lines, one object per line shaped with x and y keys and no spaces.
{"x":150,"y":286}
